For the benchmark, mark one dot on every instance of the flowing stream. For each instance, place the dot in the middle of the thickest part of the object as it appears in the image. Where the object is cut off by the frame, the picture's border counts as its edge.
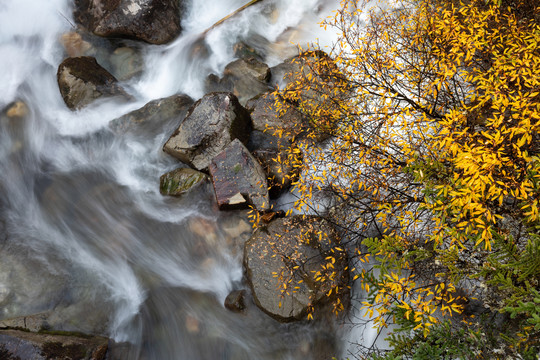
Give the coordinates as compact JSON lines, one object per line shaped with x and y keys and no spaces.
{"x":86,"y":235}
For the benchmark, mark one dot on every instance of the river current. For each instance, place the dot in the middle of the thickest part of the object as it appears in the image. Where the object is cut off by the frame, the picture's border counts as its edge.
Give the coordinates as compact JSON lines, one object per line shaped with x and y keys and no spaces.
{"x":85,"y":234}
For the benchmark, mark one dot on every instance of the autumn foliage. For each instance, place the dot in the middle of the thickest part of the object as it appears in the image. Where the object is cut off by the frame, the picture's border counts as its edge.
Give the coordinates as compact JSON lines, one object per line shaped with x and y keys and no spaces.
{"x":419,"y":140}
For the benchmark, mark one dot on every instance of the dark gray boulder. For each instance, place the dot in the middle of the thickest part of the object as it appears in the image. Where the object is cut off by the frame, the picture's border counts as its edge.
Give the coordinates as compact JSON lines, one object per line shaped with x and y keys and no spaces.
{"x":209,"y":127}
{"x":21,"y":345}
{"x":292,"y":251}
{"x":238,"y":179}
{"x":181,"y":181}
{"x":82,"y":80}
{"x":246,"y":78}
{"x":152,"y":117}
{"x":268,"y":118}
{"x":152,"y":21}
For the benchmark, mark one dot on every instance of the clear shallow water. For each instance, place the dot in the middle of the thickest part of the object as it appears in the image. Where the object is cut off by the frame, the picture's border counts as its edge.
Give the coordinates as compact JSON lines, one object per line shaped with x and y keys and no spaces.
{"x":85,"y":232}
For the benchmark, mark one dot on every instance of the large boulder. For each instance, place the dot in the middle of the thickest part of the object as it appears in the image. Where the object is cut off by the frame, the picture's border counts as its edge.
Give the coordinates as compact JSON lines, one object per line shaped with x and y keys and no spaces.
{"x":284,"y":261}
{"x":181,"y":181}
{"x":19,"y":345}
{"x":246,"y":78}
{"x":209,"y":127}
{"x":151,"y":118}
{"x":238,"y":179}
{"x":152,"y":21}
{"x":82,"y":80}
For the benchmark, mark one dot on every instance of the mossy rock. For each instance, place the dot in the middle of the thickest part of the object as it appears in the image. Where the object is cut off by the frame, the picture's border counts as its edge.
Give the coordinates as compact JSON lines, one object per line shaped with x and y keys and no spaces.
{"x":180,"y":181}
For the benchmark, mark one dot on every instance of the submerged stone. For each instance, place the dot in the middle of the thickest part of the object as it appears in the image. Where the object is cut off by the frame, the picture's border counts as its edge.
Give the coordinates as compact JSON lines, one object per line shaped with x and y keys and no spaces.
{"x":75,"y":45}
{"x":126,"y":63}
{"x":17,"y":110}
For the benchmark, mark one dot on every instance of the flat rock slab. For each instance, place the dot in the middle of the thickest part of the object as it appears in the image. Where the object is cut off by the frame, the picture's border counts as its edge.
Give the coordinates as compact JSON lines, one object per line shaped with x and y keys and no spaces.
{"x":238,"y":179}
{"x":35,"y":322}
{"x":152,"y":21}
{"x":209,"y":127}
{"x":291,"y":251}
{"x":22,"y":345}
{"x":82,"y":80}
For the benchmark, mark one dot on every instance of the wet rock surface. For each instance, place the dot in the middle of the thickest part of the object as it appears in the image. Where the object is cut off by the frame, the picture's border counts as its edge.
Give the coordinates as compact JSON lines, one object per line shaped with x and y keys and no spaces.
{"x":152,"y":117}
{"x":267,"y":118}
{"x":82,"y":81}
{"x":238,"y":179}
{"x":235,"y":301}
{"x":22,"y":345}
{"x":181,"y":181}
{"x":246,"y":78}
{"x":270,"y":258}
{"x":34,"y":323}
{"x":209,"y":127}
{"x":152,"y":21}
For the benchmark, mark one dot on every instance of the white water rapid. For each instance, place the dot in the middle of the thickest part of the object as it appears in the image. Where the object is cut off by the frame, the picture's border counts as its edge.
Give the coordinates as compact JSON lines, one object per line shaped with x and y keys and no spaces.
{"x":86,"y":235}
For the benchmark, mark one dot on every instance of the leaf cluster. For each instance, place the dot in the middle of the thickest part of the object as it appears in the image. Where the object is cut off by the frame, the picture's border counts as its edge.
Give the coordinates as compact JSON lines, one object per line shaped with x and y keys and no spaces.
{"x":420,"y":129}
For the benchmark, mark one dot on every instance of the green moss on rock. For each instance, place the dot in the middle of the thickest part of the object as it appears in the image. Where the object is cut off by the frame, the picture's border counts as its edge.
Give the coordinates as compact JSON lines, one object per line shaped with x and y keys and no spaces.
{"x":180,"y":181}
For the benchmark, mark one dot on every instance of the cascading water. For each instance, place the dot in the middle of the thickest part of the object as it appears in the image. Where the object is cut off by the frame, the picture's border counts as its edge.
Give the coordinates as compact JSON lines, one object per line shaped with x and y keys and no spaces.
{"x":85,"y":231}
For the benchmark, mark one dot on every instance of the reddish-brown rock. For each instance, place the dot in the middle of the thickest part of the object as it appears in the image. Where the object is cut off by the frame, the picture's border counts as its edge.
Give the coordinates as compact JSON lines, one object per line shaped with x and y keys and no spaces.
{"x":238,"y":179}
